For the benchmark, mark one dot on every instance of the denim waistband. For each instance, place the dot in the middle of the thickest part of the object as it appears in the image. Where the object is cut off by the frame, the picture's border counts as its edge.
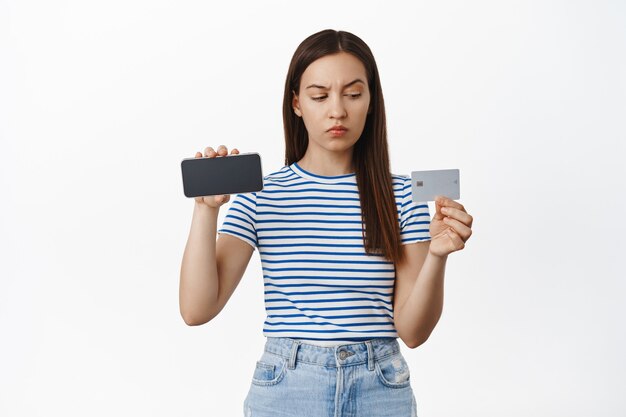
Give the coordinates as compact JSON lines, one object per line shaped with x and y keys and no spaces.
{"x":368,"y":351}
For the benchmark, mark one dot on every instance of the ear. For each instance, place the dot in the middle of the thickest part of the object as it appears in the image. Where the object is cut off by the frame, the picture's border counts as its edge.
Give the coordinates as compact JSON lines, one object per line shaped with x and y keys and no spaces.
{"x":295,"y":103}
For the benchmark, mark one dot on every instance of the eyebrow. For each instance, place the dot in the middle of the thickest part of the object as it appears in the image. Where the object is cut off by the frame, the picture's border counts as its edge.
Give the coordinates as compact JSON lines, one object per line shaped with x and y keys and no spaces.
{"x":358,"y":80}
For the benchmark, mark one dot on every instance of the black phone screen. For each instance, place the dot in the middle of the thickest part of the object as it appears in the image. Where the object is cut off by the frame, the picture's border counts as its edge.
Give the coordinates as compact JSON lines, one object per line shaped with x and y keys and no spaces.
{"x":232,"y":174}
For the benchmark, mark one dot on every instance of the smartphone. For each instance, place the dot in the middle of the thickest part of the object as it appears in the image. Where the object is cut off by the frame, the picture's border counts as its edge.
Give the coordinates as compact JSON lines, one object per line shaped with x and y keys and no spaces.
{"x":426,"y":185}
{"x":231,"y":174}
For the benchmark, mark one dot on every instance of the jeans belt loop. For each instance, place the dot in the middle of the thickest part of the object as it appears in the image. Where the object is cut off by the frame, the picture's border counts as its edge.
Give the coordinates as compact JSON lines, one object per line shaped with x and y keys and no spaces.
{"x":370,"y":355}
{"x":294,"y":353}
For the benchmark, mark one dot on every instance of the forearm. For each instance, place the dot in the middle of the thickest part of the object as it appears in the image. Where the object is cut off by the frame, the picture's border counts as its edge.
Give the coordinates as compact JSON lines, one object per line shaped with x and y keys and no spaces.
{"x":199,"y":282}
{"x":418,"y":316}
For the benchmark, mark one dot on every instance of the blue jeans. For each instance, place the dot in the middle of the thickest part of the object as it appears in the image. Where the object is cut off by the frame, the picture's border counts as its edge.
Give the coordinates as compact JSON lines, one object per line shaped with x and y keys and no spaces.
{"x":296,"y":379}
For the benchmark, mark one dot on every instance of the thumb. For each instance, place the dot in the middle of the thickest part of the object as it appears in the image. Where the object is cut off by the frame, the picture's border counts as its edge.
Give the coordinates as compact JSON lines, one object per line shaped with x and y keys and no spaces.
{"x":438,"y":204}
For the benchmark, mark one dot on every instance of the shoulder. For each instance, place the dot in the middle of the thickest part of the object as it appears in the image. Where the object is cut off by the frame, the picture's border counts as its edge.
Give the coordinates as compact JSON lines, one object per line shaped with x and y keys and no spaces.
{"x":280,"y":175}
{"x":399,"y":178}
{"x":401,"y":184}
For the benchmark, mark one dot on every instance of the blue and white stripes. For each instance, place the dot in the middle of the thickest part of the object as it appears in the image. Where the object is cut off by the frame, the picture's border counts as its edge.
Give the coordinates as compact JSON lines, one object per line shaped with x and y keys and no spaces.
{"x":319,"y":283}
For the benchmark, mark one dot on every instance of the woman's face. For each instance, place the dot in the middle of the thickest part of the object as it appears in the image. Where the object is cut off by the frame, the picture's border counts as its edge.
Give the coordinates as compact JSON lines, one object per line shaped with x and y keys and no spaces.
{"x":333,"y":91}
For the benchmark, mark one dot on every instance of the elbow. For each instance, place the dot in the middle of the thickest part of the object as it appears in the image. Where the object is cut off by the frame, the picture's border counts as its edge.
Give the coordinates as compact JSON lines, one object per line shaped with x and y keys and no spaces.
{"x":193,"y":322}
{"x":195,"y":319}
{"x":411,"y":344}
{"x":415,"y":342}
{"x":415,"y":337}
{"x":195,"y":314}
{"x":190,"y":321}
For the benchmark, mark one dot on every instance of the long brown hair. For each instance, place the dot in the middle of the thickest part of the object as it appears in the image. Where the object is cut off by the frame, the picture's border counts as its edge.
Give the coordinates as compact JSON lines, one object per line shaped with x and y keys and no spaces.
{"x":370,"y":155}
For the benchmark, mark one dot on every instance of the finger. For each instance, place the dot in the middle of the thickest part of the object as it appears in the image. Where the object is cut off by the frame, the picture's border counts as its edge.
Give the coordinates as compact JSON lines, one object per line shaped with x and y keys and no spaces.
{"x":456,"y":239}
{"x":461,"y":229}
{"x":235,"y":151}
{"x":198,"y":154}
{"x":209,"y":151}
{"x":439,"y":204}
{"x":444,"y":201}
{"x":460,"y":215}
{"x":438,"y":215}
{"x":222,"y":198}
{"x":222,"y":150}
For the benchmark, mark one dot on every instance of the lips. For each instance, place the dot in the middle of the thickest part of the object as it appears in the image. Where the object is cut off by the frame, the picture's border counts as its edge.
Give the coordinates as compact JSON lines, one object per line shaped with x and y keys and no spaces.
{"x":337,"y":128}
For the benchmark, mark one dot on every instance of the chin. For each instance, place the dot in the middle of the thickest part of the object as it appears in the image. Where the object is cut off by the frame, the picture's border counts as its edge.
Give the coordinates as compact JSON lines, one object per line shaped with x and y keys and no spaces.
{"x":349,"y":140}
{"x":339,"y":146}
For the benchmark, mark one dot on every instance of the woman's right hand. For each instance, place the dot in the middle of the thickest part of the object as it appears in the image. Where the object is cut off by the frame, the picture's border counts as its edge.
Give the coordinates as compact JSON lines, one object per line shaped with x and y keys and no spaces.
{"x":214,"y":201}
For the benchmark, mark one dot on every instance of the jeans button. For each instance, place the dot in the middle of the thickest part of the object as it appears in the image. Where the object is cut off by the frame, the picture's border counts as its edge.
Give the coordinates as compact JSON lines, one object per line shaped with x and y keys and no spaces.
{"x":343,"y":354}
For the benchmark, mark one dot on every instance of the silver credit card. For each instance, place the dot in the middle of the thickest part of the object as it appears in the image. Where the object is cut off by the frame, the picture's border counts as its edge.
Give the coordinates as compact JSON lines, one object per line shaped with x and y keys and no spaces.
{"x":426,"y":185}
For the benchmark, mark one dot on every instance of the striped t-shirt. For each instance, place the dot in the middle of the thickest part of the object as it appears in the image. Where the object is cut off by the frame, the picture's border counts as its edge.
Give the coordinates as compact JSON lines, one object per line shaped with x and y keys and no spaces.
{"x":320,"y":285}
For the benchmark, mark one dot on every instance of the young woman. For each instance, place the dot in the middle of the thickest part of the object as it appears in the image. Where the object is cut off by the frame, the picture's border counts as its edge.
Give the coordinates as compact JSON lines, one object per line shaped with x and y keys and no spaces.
{"x":350,"y":262}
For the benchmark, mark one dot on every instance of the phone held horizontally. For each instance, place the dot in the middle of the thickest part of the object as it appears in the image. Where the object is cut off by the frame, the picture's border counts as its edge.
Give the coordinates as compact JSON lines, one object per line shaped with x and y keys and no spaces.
{"x":231,"y":174}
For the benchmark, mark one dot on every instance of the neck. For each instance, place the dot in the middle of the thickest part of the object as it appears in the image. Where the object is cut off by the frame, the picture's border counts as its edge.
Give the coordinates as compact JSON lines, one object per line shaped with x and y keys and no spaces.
{"x":328,"y":164}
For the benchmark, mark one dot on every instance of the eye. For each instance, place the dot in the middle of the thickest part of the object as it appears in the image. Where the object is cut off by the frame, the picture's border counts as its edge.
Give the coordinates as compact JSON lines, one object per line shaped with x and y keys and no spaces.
{"x":353,"y":96}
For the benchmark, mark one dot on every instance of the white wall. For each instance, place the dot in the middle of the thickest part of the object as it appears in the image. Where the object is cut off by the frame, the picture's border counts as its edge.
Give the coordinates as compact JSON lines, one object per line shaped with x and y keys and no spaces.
{"x":99,"y":102}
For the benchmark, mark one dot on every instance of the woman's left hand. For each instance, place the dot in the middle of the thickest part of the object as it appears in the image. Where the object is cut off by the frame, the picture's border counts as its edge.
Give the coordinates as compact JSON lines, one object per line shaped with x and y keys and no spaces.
{"x":449,"y":228}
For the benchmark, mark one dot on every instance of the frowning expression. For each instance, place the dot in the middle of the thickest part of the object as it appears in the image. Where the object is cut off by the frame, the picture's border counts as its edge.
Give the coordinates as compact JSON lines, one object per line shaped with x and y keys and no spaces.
{"x":333,"y":101}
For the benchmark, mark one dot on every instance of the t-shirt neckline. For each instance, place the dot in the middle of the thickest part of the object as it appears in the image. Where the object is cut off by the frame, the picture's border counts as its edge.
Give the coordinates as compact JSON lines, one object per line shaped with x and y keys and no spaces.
{"x":321,"y":178}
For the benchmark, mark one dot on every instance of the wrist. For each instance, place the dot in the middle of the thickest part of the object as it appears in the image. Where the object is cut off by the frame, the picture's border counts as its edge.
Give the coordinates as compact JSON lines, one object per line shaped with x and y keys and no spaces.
{"x":436,"y":257}
{"x":203,"y":208}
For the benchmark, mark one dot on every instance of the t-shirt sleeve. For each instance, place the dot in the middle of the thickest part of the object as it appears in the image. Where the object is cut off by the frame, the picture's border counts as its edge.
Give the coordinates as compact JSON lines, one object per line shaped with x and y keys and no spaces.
{"x":414,"y":217}
{"x":240,"y":220}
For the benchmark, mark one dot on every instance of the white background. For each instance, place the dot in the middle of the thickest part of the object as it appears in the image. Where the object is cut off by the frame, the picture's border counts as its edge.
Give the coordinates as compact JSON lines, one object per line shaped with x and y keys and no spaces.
{"x":100,"y":101}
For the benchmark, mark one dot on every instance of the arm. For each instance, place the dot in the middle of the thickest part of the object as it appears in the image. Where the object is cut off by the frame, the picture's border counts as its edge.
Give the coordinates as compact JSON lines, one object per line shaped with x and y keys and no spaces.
{"x":210,"y":270}
{"x":418,"y":296}
{"x":418,"y":300}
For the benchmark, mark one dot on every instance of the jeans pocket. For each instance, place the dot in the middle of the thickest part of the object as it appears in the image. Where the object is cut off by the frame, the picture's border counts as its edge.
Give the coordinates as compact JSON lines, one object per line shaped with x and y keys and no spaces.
{"x":269,"y":370}
{"x":393,"y":371}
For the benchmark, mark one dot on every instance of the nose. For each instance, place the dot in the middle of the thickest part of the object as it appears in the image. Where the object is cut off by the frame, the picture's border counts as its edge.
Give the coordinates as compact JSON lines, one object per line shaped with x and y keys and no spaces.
{"x":337,"y":109}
